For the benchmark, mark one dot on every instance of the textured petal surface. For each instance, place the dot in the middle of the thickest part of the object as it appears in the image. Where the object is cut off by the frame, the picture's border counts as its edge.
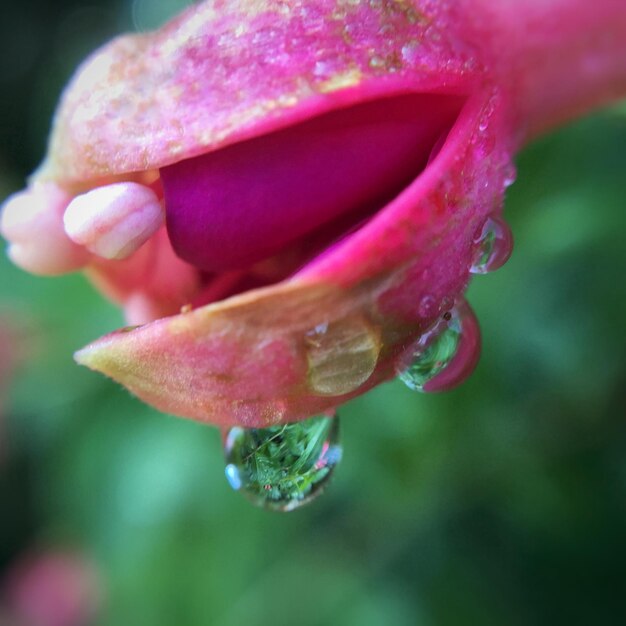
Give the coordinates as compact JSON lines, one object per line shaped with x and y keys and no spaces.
{"x":227,"y":74}
{"x":230,"y":70}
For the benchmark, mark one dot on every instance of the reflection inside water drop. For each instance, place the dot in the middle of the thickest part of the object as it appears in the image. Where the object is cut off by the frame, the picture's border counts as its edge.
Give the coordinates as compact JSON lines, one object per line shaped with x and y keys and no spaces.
{"x":285,"y":466}
{"x":445,"y":355}
{"x":431,"y":354}
{"x":492,"y":246}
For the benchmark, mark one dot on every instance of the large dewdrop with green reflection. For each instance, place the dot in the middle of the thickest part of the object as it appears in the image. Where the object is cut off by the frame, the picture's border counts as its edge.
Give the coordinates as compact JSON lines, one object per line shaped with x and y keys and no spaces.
{"x":283,"y":467}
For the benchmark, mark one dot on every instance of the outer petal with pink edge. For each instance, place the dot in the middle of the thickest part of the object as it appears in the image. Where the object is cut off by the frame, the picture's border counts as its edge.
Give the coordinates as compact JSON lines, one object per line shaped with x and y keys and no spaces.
{"x":236,"y":70}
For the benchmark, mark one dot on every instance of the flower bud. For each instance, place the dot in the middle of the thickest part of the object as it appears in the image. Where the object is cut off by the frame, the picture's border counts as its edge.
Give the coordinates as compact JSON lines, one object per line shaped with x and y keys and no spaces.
{"x":330,"y":172}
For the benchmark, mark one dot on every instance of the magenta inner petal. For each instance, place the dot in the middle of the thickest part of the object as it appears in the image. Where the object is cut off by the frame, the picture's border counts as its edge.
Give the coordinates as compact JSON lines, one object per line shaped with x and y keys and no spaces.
{"x":236,"y":206}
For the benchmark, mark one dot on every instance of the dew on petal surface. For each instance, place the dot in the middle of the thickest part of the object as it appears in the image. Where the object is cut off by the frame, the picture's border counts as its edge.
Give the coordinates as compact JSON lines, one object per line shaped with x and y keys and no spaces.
{"x":510,"y":175}
{"x":492,"y":246}
{"x":433,"y":352}
{"x":445,"y":355}
{"x":341,"y":356}
{"x":428,"y":306}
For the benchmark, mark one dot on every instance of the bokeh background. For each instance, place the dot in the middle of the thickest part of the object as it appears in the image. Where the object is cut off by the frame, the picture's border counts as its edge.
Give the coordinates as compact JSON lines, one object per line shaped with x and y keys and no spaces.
{"x":500,"y":503}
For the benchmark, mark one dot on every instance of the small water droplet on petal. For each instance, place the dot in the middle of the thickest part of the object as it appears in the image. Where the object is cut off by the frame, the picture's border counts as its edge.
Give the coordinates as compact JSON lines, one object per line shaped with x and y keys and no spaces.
{"x":492,"y":246}
{"x":443,"y":356}
{"x":411,"y":52}
{"x":467,"y":353}
{"x":285,"y":466}
{"x":427,"y":306}
{"x":430,"y":354}
{"x":341,"y":355}
{"x":510,"y":175}
{"x":446,"y":303}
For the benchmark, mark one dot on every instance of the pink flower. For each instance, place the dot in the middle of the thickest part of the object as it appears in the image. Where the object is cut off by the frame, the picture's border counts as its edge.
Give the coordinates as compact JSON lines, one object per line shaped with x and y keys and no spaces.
{"x":52,"y":588}
{"x":325,"y":169}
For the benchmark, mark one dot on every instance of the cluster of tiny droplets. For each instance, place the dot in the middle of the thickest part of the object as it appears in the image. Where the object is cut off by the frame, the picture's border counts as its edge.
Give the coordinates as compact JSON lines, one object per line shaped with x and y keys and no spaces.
{"x":425,"y":361}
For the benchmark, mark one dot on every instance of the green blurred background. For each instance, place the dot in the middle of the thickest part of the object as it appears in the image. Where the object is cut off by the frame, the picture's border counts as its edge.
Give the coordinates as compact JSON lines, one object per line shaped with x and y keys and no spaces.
{"x":500,"y":503}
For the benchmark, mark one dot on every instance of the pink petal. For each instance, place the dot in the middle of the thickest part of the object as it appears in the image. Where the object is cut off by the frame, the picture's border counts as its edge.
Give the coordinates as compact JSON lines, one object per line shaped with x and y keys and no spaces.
{"x":236,"y":206}
{"x":260,"y":357}
{"x":210,"y":84}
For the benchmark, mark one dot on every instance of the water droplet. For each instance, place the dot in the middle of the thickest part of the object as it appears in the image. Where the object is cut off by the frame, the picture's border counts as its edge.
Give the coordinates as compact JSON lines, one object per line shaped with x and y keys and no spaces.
{"x":492,"y":246}
{"x":376,"y":62}
{"x":430,"y":354}
{"x":411,"y":52}
{"x":445,"y":355}
{"x":510,"y":175}
{"x":470,"y":65}
{"x":127,"y":329}
{"x":446,"y":303}
{"x":283,"y":467}
{"x":432,"y":34}
{"x":428,"y":306}
{"x":326,"y":68}
{"x":341,"y":355}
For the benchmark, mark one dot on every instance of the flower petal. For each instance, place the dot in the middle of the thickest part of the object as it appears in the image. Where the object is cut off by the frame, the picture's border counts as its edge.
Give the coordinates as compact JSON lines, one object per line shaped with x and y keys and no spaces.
{"x":219,"y":75}
{"x":268,"y":355}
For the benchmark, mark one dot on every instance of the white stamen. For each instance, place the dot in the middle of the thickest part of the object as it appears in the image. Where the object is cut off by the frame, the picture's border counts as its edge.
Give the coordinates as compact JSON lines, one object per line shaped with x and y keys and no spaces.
{"x":114,"y":221}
